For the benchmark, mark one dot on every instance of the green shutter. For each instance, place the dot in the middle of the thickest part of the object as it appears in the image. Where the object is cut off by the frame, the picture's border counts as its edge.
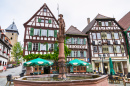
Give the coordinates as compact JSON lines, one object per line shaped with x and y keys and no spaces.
{"x":46,"y":46}
{"x":103,"y":49}
{"x":78,"y":40}
{"x":31,"y":31}
{"x":105,"y":34}
{"x":114,"y":46}
{"x":112,"y":35}
{"x":109,"y":23}
{"x":55,"y":46}
{"x":49,"y":21}
{"x":84,"y":40}
{"x":122,"y":49}
{"x":120,"y":35}
{"x":78,"y":53}
{"x":84,"y":53}
{"x":99,"y":23}
{"x":40,"y":32}
{"x":55,"y":33}
{"x":39,"y":20}
{"x":102,"y":35}
{"x":65,"y":41}
{"x":38,"y":46}
{"x":107,"y":51}
{"x":29,"y":46}
{"x":47,"y":32}
{"x":72,"y":40}
{"x":72,"y":53}
{"x":129,"y":34}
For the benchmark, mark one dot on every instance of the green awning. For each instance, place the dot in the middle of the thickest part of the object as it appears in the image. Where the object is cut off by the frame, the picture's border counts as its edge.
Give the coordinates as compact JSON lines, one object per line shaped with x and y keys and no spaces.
{"x":38,"y":62}
{"x":77,"y":62}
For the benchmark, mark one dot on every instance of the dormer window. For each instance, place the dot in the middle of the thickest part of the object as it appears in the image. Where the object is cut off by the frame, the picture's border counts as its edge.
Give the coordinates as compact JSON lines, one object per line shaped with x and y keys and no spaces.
{"x":45,"y":10}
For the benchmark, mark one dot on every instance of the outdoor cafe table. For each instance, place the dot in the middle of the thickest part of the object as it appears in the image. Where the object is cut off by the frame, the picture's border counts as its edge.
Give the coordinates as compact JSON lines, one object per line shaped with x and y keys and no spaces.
{"x":114,"y":77}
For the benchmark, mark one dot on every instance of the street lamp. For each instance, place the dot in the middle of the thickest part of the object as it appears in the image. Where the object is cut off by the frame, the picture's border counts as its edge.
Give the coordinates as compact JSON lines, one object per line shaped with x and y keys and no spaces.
{"x":102,"y":61}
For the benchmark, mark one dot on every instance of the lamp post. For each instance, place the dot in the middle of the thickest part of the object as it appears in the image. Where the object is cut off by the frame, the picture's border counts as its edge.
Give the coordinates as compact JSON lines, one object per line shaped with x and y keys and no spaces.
{"x":102,"y":62}
{"x":17,"y":56}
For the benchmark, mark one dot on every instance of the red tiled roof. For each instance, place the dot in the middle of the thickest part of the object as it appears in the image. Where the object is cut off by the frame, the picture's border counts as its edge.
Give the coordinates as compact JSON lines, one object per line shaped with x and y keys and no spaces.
{"x":125,"y":21}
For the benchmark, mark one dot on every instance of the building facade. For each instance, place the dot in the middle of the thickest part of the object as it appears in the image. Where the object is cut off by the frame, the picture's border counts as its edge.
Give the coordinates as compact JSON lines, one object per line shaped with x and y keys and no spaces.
{"x":5,"y":47}
{"x":125,"y":23}
{"x":106,"y":39}
{"x":77,"y":42}
{"x":40,"y":32}
{"x":12,"y":33}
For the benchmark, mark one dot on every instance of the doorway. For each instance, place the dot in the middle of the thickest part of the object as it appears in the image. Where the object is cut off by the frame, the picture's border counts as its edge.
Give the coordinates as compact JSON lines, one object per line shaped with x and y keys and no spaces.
{"x":47,"y":70}
{"x":105,"y":68}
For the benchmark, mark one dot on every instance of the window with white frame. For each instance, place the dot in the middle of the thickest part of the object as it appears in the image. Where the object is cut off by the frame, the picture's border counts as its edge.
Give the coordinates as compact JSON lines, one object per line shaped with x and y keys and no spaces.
{"x":36,"y":31}
{"x":75,"y":54}
{"x":43,"y":47}
{"x":81,"y":41}
{"x":75,"y":40}
{"x":94,"y":35}
{"x":98,"y":36}
{"x":42,"y":20}
{"x":43,"y":32}
{"x":35,"y":46}
{"x":45,"y":10}
{"x":108,"y":35}
{"x":103,"y":24}
{"x":110,"y":49}
{"x":51,"y":33}
{"x":95,"y":49}
{"x":118,"y":49}
{"x":69,"y":41}
{"x":116,"y":36}
{"x":46,"y":21}
{"x":51,"y":47}
{"x":100,"y":49}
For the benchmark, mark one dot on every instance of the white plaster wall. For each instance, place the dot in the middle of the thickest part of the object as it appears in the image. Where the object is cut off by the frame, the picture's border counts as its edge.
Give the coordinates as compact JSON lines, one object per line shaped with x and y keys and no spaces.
{"x":2,"y":59}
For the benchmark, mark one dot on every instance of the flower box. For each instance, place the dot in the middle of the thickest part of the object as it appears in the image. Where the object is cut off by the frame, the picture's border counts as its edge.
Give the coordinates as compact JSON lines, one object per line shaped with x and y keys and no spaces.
{"x":4,"y":52}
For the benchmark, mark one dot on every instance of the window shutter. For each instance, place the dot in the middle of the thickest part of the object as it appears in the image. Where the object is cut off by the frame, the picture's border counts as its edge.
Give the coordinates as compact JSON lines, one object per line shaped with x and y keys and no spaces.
{"x":65,"y":41}
{"x":84,"y":41}
{"x":107,"y":51}
{"x":120,"y":35}
{"x":72,"y":40}
{"x":72,"y":53}
{"x":84,"y":53}
{"x":105,"y":35}
{"x":55,"y":33}
{"x":103,"y":49}
{"x":55,"y":46}
{"x":49,"y":21}
{"x":46,"y":46}
{"x":78,"y":53}
{"x":102,"y":35}
{"x":29,"y":46}
{"x":115,"y":48}
{"x":31,"y":31}
{"x":112,"y":35}
{"x":129,"y":34}
{"x":78,"y":41}
{"x":38,"y":46}
{"x":47,"y":32}
{"x":122,"y":49}
{"x":40,"y":32}
{"x":99,"y":23}
{"x":109,"y":23}
{"x":39,"y":20}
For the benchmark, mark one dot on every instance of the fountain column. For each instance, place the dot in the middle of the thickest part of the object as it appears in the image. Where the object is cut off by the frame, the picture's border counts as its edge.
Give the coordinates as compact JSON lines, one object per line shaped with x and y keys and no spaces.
{"x":61,"y":38}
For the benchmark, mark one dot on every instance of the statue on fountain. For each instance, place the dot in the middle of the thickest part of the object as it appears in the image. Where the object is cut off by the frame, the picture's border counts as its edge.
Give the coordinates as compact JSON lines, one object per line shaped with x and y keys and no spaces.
{"x":61,"y":38}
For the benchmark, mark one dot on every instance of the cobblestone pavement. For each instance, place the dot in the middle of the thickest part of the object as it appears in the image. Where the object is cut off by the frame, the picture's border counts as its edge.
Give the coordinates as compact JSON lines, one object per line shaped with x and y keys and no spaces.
{"x":120,"y":84}
{"x":14,"y":71}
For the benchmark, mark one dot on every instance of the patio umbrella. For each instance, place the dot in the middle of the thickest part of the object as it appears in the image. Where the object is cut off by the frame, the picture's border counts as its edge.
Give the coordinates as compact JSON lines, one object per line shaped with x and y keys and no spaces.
{"x":38,"y":62}
{"x":77,"y":62}
{"x":112,"y":72}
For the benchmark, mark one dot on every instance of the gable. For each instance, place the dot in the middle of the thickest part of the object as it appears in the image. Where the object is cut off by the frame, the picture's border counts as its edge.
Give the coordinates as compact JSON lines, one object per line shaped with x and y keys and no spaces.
{"x":43,"y":18}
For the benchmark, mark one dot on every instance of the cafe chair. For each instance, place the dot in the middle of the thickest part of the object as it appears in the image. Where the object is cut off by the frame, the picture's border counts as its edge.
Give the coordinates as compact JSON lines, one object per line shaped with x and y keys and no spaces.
{"x":111,"y":79}
{"x":9,"y":79}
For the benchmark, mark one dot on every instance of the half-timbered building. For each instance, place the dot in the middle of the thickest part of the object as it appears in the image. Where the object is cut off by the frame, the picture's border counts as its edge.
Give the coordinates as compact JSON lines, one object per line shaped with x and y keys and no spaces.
{"x":77,"y":42}
{"x":106,"y":39}
{"x":125,"y":23}
{"x":5,"y":47}
{"x":40,"y":32}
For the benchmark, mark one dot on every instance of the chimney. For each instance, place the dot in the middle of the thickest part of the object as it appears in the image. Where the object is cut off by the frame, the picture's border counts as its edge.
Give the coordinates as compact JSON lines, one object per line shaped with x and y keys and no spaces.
{"x":88,"y":19}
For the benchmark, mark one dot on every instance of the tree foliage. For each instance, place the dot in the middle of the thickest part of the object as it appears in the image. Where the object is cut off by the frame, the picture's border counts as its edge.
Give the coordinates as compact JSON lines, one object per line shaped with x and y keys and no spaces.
{"x":17,"y":50}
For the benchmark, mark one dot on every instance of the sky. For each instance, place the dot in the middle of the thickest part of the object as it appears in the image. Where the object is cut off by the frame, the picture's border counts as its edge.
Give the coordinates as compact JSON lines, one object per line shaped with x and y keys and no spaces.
{"x":75,"y":12}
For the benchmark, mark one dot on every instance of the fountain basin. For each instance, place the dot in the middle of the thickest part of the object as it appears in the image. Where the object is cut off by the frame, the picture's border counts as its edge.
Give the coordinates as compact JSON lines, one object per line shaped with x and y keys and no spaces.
{"x":94,"y":81}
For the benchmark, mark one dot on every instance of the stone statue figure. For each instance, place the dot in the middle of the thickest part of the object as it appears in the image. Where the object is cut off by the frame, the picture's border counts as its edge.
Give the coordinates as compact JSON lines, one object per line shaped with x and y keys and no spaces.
{"x":61,"y":25}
